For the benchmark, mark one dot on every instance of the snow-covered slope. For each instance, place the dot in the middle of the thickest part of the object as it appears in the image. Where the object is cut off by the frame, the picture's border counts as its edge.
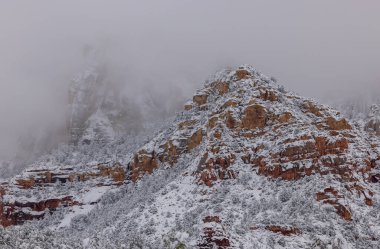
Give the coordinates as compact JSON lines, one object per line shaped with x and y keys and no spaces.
{"x":373,"y":120}
{"x":363,"y":111}
{"x":245,"y":165}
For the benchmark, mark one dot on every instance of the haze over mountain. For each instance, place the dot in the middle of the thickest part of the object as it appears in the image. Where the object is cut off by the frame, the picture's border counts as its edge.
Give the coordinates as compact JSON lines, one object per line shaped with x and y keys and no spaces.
{"x":322,"y":49}
{"x":110,"y":136}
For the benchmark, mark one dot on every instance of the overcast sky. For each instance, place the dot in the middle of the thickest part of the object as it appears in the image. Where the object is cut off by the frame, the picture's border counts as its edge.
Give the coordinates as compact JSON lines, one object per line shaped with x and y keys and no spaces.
{"x":322,"y":49}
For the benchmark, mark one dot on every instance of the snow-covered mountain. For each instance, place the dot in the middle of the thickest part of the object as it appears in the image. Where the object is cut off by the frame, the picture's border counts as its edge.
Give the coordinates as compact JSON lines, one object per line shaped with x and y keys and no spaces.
{"x":101,"y":110}
{"x":247,"y":164}
{"x":98,"y":111}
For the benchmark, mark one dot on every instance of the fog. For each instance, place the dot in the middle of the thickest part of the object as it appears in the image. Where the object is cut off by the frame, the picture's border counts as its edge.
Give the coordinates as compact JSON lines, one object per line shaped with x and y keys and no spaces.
{"x":321,"y":49}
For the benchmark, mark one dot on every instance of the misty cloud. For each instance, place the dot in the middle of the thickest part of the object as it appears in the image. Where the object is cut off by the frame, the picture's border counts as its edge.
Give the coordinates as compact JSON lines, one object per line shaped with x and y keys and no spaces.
{"x":323,"y":49}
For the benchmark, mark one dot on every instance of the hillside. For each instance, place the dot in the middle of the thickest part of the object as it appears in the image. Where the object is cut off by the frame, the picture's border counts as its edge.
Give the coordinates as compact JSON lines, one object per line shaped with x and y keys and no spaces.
{"x":247,"y":164}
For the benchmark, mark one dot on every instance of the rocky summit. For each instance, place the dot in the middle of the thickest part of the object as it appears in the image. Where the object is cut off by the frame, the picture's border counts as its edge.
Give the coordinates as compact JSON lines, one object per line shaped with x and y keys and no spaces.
{"x":246,"y":164}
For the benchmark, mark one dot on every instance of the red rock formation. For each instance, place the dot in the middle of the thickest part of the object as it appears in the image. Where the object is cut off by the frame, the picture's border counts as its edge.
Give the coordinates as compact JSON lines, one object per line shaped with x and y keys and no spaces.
{"x":170,"y":153}
{"x":143,"y":162}
{"x":230,"y":121}
{"x":361,"y":192}
{"x":325,"y":147}
{"x":255,"y":116}
{"x":313,"y":150}
{"x":332,"y":197}
{"x":188,"y":107}
{"x":286,"y":231}
{"x":25,"y":183}
{"x":221,"y":87}
{"x":285,"y":174}
{"x":212,"y":122}
{"x":268,"y":96}
{"x":200,"y":99}
{"x":117,"y":173}
{"x":213,"y":169}
{"x":334,"y":124}
{"x":194,"y":140}
{"x":229,"y":103}
{"x":209,"y":219}
{"x":214,"y":235}
{"x":15,"y":213}
{"x":242,"y":74}
{"x":285,"y":117}
{"x":309,"y":107}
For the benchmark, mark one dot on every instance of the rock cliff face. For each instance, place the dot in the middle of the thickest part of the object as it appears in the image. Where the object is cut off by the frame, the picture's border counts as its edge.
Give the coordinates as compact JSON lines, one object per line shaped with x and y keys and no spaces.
{"x":254,"y":165}
{"x":39,"y":191}
{"x":278,"y":134}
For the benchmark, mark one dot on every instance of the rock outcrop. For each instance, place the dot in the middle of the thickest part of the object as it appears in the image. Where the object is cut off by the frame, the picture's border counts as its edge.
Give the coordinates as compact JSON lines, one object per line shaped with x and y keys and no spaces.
{"x":43,"y":190}
{"x":243,"y":121}
{"x":214,"y":235}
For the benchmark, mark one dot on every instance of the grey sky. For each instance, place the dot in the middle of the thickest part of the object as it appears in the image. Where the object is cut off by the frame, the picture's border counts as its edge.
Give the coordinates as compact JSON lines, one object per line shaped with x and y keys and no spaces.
{"x":323,"y":49}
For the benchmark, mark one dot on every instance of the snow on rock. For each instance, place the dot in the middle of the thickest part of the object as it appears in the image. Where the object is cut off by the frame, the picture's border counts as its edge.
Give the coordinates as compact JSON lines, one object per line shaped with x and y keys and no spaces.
{"x":40,"y":191}
{"x":243,"y":124}
{"x":247,"y":164}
